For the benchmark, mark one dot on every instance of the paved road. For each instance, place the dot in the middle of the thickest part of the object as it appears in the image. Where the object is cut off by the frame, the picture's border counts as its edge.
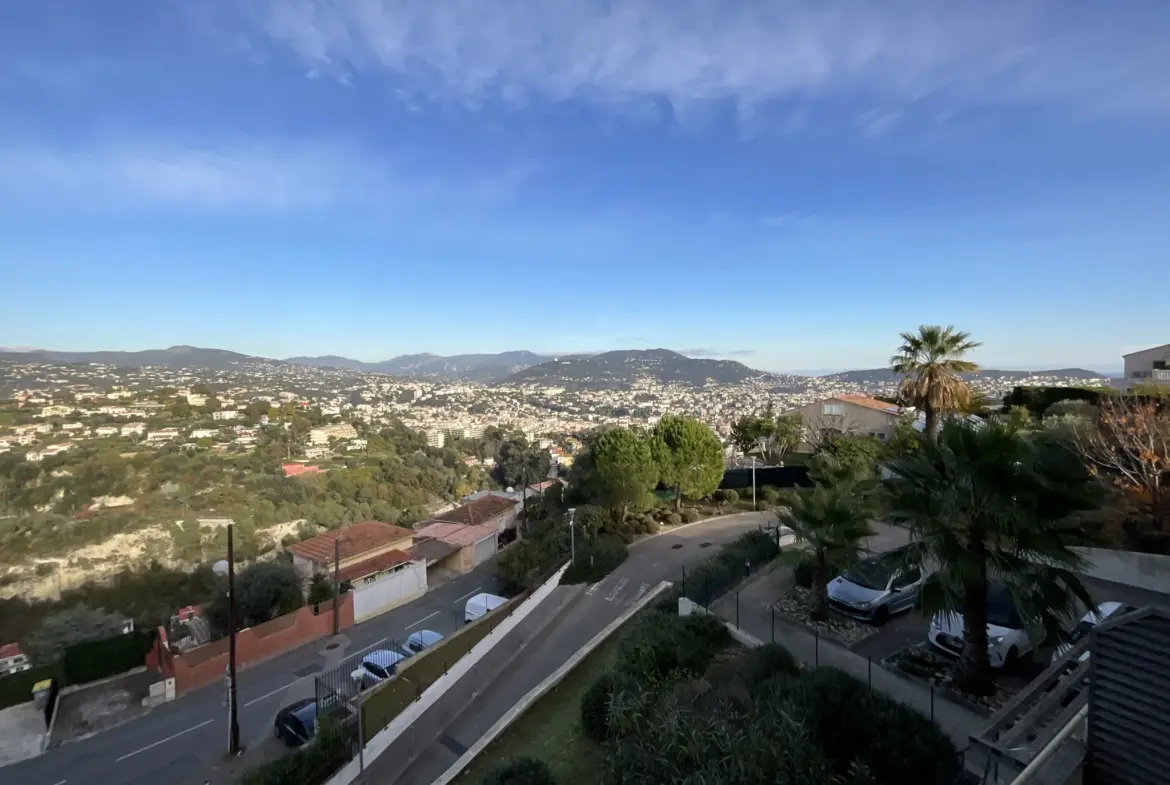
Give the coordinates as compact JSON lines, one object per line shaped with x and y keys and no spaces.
{"x":584,"y":613}
{"x":190,"y":734}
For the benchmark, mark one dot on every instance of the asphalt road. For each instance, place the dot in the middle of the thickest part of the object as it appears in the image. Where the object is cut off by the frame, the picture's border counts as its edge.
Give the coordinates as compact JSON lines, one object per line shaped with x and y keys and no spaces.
{"x":584,"y":613}
{"x":181,"y":738}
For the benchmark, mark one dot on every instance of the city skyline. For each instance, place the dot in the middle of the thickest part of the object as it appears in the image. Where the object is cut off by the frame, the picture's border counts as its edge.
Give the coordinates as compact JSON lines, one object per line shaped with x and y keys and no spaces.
{"x":786,"y":184}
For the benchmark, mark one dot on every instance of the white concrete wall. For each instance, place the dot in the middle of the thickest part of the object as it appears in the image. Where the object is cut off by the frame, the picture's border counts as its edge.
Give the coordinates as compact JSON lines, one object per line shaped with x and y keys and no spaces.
{"x":1144,"y":570}
{"x":389,"y":592}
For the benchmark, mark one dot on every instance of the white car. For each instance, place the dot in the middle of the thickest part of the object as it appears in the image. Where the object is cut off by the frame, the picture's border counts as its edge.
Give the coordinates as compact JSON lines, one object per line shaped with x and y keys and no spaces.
{"x":1099,"y":615}
{"x":1007,"y":639}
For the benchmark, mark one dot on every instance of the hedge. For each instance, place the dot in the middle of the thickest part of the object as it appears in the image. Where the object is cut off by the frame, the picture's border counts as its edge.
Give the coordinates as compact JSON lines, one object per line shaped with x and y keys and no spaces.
{"x":17,"y":687}
{"x":521,"y":771}
{"x":93,"y":660}
{"x":314,"y":763}
{"x":729,"y":566}
{"x":596,"y":559}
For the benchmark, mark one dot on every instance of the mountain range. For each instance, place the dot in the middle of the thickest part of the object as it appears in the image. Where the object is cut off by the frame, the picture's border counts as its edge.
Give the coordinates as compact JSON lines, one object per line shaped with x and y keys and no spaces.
{"x":468,"y":367}
{"x":622,"y":368}
{"x":173,"y":357}
{"x":885,"y":375}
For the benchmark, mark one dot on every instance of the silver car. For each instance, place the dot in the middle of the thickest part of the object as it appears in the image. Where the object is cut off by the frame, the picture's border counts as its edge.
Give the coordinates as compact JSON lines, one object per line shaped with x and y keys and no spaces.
{"x":876,"y":589}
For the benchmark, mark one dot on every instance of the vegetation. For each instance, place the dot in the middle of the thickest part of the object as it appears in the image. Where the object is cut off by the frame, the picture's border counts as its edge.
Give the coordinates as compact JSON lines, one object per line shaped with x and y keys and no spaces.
{"x":620,"y":472}
{"x":67,"y":628}
{"x":689,"y":457}
{"x":993,"y":504}
{"x":931,"y":361}
{"x":521,"y":771}
{"x":313,"y":764}
{"x":830,"y":521}
{"x":729,"y":566}
{"x":769,"y":436}
{"x":264,"y":590}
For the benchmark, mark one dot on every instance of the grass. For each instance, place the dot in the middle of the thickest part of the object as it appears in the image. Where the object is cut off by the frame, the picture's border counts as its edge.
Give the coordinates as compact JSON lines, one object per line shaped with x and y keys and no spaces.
{"x":551,"y":729}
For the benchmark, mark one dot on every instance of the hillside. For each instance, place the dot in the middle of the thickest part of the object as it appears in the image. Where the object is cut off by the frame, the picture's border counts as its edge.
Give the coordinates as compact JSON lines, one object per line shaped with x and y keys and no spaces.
{"x":173,"y":357}
{"x":622,"y":368}
{"x":467,"y":367}
{"x":885,"y":375}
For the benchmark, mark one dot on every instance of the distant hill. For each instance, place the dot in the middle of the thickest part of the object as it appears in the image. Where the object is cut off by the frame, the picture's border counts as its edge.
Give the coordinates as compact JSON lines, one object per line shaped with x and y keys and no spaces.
{"x":173,"y":357}
{"x":623,"y":368}
{"x":468,"y":367}
{"x":885,"y":375}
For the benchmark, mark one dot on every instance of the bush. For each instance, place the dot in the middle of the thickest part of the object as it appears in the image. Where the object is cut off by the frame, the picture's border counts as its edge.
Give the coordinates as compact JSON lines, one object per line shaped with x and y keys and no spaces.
{"x":729,"y":566}
{"x":732,"y":496}
{"x":595,"y":705}
{"x":719,"y":496}
{"x":691,"y":515}
{"x":802,"y":573}
{"x":313,"y":764}
{"x":522,"y":563}
{"x":674,"y":519}
{"x":762,"y":663}
{"x":660,"y":643}
{"x":521,"y":771}
{"x":770,"y":495}
{"x":596,"y":559}
{"x":854,"y":725}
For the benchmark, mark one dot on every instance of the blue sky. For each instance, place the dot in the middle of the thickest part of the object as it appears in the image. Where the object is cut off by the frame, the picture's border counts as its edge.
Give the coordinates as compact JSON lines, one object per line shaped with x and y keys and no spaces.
{"x":789,"y":183}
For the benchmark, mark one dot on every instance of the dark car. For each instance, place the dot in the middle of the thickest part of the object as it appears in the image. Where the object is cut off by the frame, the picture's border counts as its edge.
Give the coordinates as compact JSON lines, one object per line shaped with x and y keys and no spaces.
{"x":296,"y":723}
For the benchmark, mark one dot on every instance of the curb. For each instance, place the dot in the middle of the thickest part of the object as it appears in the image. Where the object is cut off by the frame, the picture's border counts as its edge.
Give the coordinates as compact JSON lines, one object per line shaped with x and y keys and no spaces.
{"x":680,"y":527}
{"x":539,"y":691}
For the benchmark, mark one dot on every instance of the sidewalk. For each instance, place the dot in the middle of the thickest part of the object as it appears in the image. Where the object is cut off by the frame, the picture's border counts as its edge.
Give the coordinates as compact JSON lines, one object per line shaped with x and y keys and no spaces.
{"x":756,"y":596}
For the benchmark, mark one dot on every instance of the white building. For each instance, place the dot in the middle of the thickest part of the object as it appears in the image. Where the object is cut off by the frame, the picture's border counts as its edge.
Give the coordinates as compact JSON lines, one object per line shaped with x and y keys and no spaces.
{"x":316,"y":452}
{"x":56,"y":411}
{"x":134,"y":429}
{"x":356,"y":444}
{"x":1148,"y":366}
{"x":12,"y":659}
{"x":436,"y":439}
{"x":204,"y":433}
{"x":225,"y":414}
{"x":194,"y":399}
{"x":163,"y":435}
{"x":323,"y":434}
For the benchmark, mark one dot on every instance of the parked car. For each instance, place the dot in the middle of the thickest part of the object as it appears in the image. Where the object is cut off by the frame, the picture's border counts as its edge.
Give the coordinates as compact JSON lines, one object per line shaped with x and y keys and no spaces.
{"x":1102,"y":613}
{"x":378,"y":665}
{"x":1007,"y":639}
{"x":481,"y":605}
{"x":876,"y":589}
{"x":296,"y":723}
{"x":420,"y":641}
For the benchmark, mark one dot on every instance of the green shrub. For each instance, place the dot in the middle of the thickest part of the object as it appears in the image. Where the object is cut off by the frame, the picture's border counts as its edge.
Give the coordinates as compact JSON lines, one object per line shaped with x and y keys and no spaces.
{"x":674,"y":519}
{"x":313,"y":764}
{"x":596,"y":559}
{"x":595,"y":705}
{"x":691,"y":515}
{"x":729,"y":566}
{"x":719,"y":496}
{"x":521,"y":771}
{"x":660,"y":643}
{"x":732,"y":496}
{"x":854,"y":725}
{"x":762,"y":663}
{"x":770,"y":494}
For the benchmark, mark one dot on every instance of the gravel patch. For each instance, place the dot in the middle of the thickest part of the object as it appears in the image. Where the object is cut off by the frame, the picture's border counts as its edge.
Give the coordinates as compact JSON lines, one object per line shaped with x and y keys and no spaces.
{"x":796,"y":604}
{"x":923,"y":663}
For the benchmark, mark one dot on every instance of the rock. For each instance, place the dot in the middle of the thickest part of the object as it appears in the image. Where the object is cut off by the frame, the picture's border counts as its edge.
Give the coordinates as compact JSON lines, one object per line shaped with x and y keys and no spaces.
{"x":797,"y":603}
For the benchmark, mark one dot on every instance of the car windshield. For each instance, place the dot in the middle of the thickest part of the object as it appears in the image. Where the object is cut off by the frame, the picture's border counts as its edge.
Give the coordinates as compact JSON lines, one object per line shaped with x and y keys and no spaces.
{"x":869,"y":575}
{"x":1001,"y":609}
{"x":377,"y":670}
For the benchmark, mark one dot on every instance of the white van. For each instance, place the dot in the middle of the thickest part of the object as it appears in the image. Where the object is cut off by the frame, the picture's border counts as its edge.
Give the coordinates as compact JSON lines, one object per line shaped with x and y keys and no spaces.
{"x":480,"y":605}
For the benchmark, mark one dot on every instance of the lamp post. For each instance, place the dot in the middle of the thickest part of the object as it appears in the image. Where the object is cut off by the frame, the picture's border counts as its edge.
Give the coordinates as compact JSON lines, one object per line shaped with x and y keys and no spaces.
{"x":233,"y":712}
{"x":572,"y":536}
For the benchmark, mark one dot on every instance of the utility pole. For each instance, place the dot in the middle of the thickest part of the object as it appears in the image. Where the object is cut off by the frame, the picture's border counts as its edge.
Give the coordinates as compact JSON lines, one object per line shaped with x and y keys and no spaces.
{"x":572,"y":537}
{"x":233,"y":716}
{"x":336,"y":583}
{"x":524,"y":500}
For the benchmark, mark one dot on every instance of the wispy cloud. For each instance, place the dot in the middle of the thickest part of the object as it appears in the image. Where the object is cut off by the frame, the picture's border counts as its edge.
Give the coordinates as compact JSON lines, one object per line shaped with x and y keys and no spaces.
{"x":703,"y":351}
{"x":749,"y":52}
{"x":249,"y":174}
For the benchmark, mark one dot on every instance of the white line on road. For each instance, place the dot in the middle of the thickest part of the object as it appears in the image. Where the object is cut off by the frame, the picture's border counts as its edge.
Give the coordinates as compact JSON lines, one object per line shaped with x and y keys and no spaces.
{"x":267,"y":695}
{"x":62,"y":782}
{"x":616,"y":589}
{"x":424,"y":618}
{"x":593,"y":587}
{"x":476,"y":590}
{"x":638,"y":594}
{"x":163,"y":741}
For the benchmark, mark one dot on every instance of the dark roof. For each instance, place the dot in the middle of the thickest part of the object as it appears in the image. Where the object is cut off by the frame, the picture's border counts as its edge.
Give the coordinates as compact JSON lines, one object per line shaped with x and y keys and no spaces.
{"x":356,"y":539}
{"x":431,"y":550}
{"x":478,"y":511}
{"x":374,"y":564}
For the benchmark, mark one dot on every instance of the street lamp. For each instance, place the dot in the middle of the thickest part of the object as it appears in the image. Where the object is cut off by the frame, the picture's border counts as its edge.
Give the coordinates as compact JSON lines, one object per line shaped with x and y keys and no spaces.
{"x":572,"y":537}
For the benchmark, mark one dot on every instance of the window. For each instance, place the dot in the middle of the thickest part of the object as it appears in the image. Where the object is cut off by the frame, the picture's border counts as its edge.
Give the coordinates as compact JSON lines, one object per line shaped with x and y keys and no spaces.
{"x":907,"y":578}
{"x":833,"y":409}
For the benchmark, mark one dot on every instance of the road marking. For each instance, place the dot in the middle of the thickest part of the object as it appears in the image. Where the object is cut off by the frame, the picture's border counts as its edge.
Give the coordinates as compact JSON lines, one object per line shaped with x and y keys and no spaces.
{"x":593,"y":587}
{"x":62,"y":782}
{"x":638,"y":594}
{"x":613,"y":593}
{"x":163,"y":741}
{"x":476,"y":590}
{"x":269,"y":694}
{"x":424,"y":618}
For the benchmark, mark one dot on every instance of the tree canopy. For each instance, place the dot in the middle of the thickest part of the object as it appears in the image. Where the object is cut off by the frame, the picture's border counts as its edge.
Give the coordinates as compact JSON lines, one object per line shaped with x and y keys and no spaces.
{"x":930,"y":362}
{"x":689,"y":456}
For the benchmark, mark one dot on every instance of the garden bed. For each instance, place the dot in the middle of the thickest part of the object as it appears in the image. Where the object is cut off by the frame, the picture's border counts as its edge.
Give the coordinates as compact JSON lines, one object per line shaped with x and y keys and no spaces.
{"x":796,"y":604}
{"x":921,"y":663}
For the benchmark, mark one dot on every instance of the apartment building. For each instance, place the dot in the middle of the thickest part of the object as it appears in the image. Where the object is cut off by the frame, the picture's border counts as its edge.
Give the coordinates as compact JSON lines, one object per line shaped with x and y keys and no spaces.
{"x":225,"y":414}
{"x":322,"y":435}
{"x":163,"y":435}
{"x":56,"y":411}
{"x":134,"y":429}
{"x":1148,"y":366}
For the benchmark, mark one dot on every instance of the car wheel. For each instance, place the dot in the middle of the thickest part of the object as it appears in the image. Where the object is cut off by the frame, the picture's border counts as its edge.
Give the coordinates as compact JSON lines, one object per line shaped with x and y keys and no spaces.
{"x":881,"y":616}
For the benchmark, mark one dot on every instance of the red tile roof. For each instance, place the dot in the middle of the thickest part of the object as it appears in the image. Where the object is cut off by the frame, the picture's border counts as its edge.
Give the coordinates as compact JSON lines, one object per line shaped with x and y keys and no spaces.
{"x":457,"y":534}
{"x":9,"y":650}
{"x":294,"y":469}
{"x":374,"y":564}
{"x":871,"y":403}
{"x":356,"y":539}
{"x":478,"y":511}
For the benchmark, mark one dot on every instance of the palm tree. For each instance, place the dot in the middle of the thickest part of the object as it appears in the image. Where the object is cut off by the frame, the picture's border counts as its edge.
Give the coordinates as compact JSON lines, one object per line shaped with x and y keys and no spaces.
{"x":931,"y":361}
{"x":830,"y":520}
{"x":993,"y":506}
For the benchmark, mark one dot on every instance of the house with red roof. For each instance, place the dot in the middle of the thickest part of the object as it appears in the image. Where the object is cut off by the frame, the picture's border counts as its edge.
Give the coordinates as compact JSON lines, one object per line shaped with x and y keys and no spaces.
{"x":847,"y":413}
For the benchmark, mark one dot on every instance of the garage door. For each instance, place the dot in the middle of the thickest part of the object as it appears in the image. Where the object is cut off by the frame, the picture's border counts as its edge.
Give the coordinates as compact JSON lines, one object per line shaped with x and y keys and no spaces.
{"x":485,"y":549}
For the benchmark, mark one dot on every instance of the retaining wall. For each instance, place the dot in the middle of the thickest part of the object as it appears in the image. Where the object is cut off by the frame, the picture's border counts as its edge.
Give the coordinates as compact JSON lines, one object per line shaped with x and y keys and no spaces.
{"x":1144,"y":570}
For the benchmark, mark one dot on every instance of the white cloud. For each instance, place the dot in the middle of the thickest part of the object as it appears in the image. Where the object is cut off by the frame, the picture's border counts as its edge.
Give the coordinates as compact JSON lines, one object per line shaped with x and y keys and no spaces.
{"x":254,"y":175}
{"x":749,"y":52}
